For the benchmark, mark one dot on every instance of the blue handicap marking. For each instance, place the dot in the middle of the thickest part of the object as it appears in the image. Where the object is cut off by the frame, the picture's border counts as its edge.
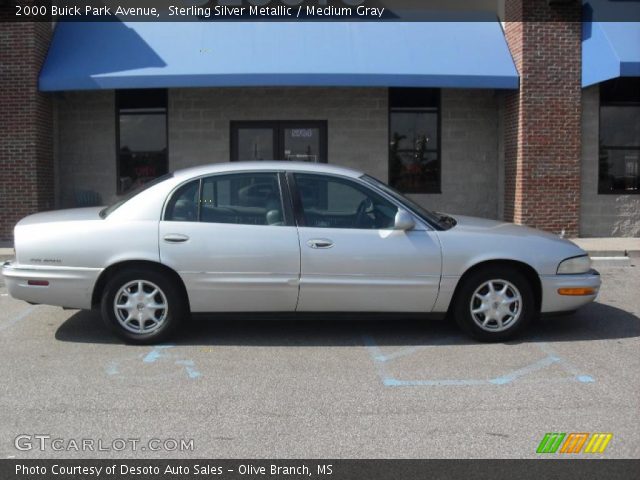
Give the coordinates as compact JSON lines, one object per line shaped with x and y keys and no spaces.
{"x":189,"y":366}
{"x":159,"y":352}
{"x":112,"y":368}
{"x":381,"y":359}
{"x":155,"y":354}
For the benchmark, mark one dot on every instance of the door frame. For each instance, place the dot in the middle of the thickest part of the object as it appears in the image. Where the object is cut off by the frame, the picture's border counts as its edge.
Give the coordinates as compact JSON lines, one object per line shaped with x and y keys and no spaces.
{"x":278,"y":127}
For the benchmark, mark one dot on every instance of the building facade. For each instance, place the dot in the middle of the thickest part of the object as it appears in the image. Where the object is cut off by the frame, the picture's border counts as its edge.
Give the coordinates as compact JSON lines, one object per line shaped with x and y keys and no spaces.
{"x":543,"y":137}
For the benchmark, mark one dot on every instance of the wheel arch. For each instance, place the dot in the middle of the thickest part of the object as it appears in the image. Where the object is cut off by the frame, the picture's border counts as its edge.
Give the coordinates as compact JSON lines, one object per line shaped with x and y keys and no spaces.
{"x":525,"y":269}
{"x":111,"y":270}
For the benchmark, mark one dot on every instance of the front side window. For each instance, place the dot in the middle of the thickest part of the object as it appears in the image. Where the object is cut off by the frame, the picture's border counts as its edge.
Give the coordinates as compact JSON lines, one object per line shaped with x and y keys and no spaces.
{"x":414,"y":143}
{"x":243,"y":199}
{"x":332,"y":202}
{"x":619,"y":162}
{"x":142,"y":137}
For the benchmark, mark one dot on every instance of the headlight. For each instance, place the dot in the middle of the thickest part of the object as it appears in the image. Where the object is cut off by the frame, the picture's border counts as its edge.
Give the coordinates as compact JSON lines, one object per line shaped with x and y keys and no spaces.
{"x":575,"y":265}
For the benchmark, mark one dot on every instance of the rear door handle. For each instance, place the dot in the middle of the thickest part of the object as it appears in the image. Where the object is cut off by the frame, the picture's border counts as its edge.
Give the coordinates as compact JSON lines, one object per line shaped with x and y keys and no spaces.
{"x":175,"y":238}
{"x":320,"y":243}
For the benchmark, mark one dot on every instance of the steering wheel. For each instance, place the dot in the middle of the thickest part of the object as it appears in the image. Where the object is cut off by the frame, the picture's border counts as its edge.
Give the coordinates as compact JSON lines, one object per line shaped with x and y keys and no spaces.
{"x":365,"y":206}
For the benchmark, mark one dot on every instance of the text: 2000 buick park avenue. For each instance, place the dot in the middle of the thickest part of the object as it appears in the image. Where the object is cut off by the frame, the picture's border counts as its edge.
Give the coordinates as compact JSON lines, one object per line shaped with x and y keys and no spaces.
{"x":285,"y":237}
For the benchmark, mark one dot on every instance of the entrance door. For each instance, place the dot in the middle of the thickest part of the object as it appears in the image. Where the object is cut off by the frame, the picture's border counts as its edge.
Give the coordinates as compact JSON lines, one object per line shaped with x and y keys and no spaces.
{"x":300,"y":141}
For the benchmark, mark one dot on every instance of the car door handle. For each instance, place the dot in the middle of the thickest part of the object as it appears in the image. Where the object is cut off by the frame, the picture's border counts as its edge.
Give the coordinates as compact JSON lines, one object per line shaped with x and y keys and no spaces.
{"x":320,"y":243}
{"x":175,"y":238}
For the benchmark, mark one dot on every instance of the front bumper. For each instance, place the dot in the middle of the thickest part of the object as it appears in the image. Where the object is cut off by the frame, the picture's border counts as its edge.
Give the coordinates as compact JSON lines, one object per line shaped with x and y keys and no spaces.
{"x":70,"y":287}
{"x":552,"y":301}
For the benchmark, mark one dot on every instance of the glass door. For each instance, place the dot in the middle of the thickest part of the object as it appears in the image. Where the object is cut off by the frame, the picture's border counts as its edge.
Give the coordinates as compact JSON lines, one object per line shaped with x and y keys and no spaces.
{"x":301,"y":141}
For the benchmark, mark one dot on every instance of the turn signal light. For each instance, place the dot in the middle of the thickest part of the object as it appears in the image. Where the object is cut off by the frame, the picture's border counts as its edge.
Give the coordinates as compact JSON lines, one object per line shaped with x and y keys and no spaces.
{"x":577,"y":291}
{"x":38,"y":283}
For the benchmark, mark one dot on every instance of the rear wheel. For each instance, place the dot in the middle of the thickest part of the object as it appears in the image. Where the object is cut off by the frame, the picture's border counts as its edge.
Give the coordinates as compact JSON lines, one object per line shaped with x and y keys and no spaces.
{"x":142,"y":306}
{"x":494,"y":304}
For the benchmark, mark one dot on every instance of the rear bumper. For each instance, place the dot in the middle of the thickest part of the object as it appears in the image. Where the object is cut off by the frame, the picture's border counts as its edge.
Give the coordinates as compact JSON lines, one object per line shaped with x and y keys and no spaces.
{"x":552,"y":301}
{"x":70,"y":287}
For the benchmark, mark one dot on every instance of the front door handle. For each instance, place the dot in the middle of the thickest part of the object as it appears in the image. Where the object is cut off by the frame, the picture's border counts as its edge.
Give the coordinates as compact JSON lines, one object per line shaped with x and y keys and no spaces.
{"x":175,"y":238}
{"x":320,"y":243}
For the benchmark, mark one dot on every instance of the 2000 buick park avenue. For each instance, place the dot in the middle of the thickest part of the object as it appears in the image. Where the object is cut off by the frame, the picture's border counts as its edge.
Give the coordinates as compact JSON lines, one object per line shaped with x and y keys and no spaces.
{"x":290,"y":237}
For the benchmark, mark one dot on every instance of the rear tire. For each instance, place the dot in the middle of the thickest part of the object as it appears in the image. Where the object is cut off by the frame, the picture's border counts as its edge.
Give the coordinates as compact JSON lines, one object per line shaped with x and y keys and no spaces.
{"x":494,"y":304}
{"x":142,"y":306}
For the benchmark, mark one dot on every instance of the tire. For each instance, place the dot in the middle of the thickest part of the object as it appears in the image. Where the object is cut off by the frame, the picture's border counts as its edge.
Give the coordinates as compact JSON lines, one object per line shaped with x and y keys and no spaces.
{"x":501,"y":314}
{"x":138,"y":322}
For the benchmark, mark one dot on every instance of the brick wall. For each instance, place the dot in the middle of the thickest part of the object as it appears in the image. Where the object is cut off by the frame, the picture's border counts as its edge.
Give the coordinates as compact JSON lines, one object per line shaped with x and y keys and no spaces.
{"x":543,"y":119}
{"x":601,"y":215}
{"x":26,"y":156}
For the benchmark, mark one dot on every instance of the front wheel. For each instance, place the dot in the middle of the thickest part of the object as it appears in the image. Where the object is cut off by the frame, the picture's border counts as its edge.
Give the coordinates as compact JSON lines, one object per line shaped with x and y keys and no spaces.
{"x":494,"y":304}
{"x":142,"y":306}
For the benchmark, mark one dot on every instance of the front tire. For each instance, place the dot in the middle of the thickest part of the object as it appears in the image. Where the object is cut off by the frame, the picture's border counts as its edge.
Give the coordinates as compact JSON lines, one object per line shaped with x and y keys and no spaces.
{"x":142,"y":306}
{"x":494,"y":304}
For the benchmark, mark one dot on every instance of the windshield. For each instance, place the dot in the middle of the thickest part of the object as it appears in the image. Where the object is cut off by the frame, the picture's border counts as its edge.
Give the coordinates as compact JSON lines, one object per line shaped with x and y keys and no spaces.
{"x":105,"y":212}
{"x":439,"y":220}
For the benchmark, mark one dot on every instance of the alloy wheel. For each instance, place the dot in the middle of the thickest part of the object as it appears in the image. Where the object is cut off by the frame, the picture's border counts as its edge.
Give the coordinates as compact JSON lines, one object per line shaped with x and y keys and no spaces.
{"x":496,"y":305}
{"x":140,"y":306}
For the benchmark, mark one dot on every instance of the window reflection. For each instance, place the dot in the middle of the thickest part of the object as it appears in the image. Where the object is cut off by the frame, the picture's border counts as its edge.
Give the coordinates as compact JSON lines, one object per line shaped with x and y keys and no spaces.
{"x":142,"y":137}
{"x":619,"y":161}
{"x":414,"y":150}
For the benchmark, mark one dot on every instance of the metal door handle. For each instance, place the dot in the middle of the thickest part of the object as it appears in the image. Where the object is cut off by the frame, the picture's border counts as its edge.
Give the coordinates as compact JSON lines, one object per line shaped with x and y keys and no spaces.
{"x":320,"y":243}
{"x":175,"y":238}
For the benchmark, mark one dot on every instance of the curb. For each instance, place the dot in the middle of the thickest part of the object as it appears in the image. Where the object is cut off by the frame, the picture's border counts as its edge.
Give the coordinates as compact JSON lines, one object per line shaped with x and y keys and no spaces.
{"x":614,"y":253}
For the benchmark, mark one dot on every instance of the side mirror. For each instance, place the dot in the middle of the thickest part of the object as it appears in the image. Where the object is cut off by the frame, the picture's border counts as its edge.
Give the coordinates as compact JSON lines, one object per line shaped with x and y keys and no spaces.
{"x":403,"y":220}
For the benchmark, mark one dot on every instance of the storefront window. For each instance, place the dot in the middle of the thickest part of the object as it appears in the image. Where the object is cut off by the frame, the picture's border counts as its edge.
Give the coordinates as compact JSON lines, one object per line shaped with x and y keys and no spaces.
{"x":414,"y":140}
{"x":620,"y":136}
{"x":142,"y":137}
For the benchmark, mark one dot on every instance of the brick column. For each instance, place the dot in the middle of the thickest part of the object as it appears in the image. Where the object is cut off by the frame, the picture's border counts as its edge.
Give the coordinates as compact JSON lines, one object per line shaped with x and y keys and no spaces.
{"x":542,"y":119}
{"x":26,"y":137}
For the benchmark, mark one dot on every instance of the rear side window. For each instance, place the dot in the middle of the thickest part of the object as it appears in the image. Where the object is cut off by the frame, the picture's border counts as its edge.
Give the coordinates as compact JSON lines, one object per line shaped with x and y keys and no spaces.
{"x":243,"y":199}
{"x":183,"y":206}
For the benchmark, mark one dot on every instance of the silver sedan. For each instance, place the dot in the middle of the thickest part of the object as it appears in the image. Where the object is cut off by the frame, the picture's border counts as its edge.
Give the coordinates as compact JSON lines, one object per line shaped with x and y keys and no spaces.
{"x":290,"y":237}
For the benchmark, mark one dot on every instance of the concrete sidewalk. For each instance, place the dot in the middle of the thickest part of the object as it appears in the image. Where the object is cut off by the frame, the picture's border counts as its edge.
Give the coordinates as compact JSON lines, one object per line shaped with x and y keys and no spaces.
{"x":610,"y":246}
{"x":597,"y":247}
{"x":6,"y":254}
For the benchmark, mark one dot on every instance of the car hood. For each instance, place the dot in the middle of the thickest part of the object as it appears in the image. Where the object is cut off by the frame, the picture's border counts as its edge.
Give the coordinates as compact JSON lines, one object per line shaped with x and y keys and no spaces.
{"x":496,"y":227}
{"x":475,"y":240}
{"x":68,"y":215}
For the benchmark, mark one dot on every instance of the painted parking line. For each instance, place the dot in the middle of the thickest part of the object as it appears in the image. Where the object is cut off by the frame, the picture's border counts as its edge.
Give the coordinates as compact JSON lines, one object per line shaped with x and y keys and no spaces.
{"x":527,"y":370}
{"x":19,"y":317}
{"x":380,"y":359}
{"x":569,"y":367}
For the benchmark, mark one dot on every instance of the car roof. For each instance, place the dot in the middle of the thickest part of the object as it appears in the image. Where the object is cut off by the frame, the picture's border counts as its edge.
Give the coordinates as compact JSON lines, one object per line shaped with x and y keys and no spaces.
{"x":279,"y":165}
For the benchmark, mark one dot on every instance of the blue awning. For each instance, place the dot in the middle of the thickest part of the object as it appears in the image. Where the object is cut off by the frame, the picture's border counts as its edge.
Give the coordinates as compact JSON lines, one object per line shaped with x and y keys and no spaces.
{"x":610,"y":49}
{"x":114,"y":55}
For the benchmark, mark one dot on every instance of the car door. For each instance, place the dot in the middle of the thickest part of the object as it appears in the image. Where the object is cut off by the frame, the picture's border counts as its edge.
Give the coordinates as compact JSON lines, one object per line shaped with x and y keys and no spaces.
{"x":351,"y":257}
{"x":232,"y":239}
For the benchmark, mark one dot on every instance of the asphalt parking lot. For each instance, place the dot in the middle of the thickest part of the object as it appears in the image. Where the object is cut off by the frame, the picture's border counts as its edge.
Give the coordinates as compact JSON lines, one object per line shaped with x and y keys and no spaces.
{"x":324,"y":387}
